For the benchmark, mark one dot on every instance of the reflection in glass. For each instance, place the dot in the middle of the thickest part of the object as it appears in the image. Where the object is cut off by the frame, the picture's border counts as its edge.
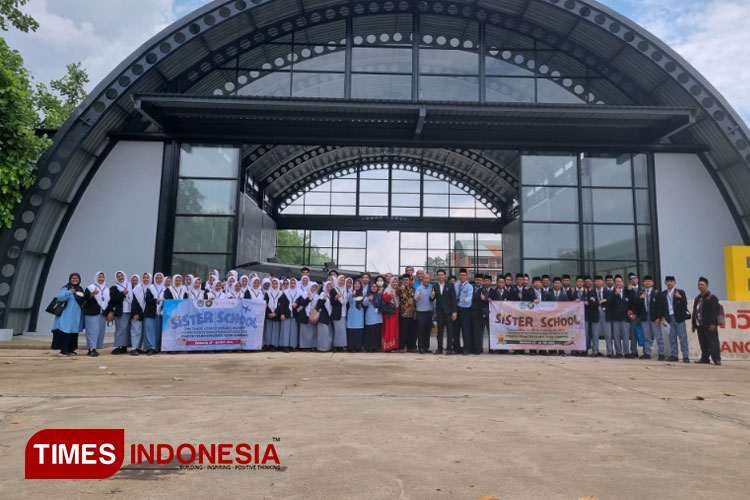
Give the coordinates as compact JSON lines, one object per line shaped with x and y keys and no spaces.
{"x":556,"y":241}
{"x":318,"y":85}
{"x":208,"y":161}
{"x":609,"y":242}
{"x":203,"y":234}
{"x":549,"y":204}
{"x":607,"y":205}
{"x":561,"y":90}
{"x":640,"y":170}
{"x":276,"y":84}
{"x":614,"y":268}
{"x":353,"y":239}
{"x":559,"y":170}
{"x":610,"y":172}
{"x":381,"y":86}
{"x":326,"y":60}
{"x":645,"y":243}
{"x":321,"y":238}
{"x":413,"y":240}
{"x":455,"y":62}
{"x":550,"y":267}
{"x":509,"y":63}
{"x":642,"y":207}
{"x":381,"y":60}
{"x":200,"y":196}
{"x":449,"y":88}
{"x":510,"y":89}
{"x":201,"y":264}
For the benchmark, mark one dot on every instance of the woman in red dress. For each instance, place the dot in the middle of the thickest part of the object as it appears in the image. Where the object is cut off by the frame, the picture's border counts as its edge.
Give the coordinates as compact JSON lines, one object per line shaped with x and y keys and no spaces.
{"x":390,"y":320}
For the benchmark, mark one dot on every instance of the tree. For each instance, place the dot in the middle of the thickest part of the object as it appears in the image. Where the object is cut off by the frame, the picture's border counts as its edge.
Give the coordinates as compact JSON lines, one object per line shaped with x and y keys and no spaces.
{"x":11,"y":14}
{"x":290,"y":249}
{"x":54,"y":110}
{"x":20,"y":147}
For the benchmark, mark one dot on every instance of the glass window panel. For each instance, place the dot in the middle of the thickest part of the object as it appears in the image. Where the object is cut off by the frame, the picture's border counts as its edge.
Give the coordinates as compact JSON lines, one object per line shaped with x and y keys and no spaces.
{"x":413,"y":240}
{"x":461,"y":201}
{"x":400,"y":186}
{"x":319,"y":256}
{"x":373,"y":200}
{"x":462,"y":212}
{"x":293,"y":209}
{"x":291,"y":255}
{"x":265,"y":56}
{"x":405,"y":212}
{"x":549,"y":204}
{"x":373,"y":174}
{"x":510,"y":89}
{"x":351,"y":257}
{"x":449,"y":88}
{"x":322,"y":33}
{"x":353,"y":239}
{"x":318,"y":58}
{"x":343,"y":199}
{"x":506,"y":62}
{"x":381,"y":87}
{"x":436,"y":200}
{"x":607,"y":205}
{"x":642,"y":209}
{"x":206,"y":161}
{"x":313,"y":198}
{"x":435,"y":212}
{"x":416,"y":258}
{"x":374,"y":186}
{"x":201,"y":264}
{"x":373,"y":210}
{"x":446,"y":61}
{"x":321,"y":238}
{"x":398,"y":29}
{"x":344,"y":210}
{"x":551,"y":267}
{"x":561,"y":90}
{"x":344,"y":185}
{"x":439,"y":240}
{"x":556,"y":241}
{"x":318,"y":210}
{"x":438,"y":258}
{"x":276,"y":84}
{"x":405,"y":200}
{"x":608,"y":242}
{"x":381,"y":60}
{"x":484,"y":212}
{"x":203,"y":234}
{"x":198,"y":196}
{"x":645,"y":243}
{"x":436,"y":187}
{"x":318,"y":85}
{"x":609,"y":172}
{"x":640,"y":170}
{"x":647,"y":268}
{"x":544,"y":169}
{"x":406,"y":175}
{"x":604,"y":268}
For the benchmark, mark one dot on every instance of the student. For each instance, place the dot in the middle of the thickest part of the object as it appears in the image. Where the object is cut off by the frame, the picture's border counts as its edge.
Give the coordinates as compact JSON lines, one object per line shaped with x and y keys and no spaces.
{"x":464,"y":292}
{"x":196,"y":291}
{"x":68,"y":325}
{"x":255,"y":292}
{"x":307,"y":331}
{"x":373,"y":318}
{"x":705,"y":317}
{"x":94,"y":311}
{"x":598,"y":314}
{"x":176,"y":290}
{"x":445,"y":312}
{"x":355,"y":317}
{"x":338,"y":298}
{"x":619,"y":304}
{"x":149,"y":307}
{"x":188,"y":281}
{"x":650,"y":318}
{"x":304,"y":283}
{"x":218,"y":292}
{"x":272,"y":325}
{"x":120,"y":297}
{"x":158,"y":288}
{"x":390,"y":333}
{"x":236,"y":292}
{"x":324,"y":338}
{"x":245,"y":282}
{"x":289,"y":326}
{"x":137,"y":305}
{"x":673,"y":307}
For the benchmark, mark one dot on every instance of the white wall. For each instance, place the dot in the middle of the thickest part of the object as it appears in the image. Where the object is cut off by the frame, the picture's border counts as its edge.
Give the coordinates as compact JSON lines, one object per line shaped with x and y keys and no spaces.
{"x":114,"y":225}
{"x":694,"y":223}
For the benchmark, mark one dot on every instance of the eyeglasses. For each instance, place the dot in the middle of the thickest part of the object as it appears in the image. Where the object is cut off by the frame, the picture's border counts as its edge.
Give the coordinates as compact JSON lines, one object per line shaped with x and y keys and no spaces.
{"x":633,"y":278}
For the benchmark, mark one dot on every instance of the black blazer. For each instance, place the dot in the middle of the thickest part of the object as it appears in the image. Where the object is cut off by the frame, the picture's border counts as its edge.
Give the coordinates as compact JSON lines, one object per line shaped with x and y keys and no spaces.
{"x":446,"y":302}
{"x":654,"y":309}
{"x":282,"y":307}
{"x":116,"y":298}
{"x":710,"y":310}
{"x":336,"y":306}
{"x":528,"y":294}
{"x":90,"y":306}
{"x":562,"y":297}
{"x":679,"y":305}
{"x":478,"y":302}
{"x":618,"y":307}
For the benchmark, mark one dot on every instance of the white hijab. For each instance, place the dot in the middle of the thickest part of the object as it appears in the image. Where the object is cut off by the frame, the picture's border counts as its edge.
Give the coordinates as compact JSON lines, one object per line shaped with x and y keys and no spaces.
{"x":292,"y":293}
{"x":326,"y":295}
{"x":273,"y":296}
{"x":139,"y":291}
{"x":245,"y":285}
{"x":102,"y":298}
{"x":217,"y":294}
{"x":313,"y":298}
{"x":392,"y":291}
{"x":157,"y":290}
{"x":255,"y":293}
{"x":177,"y":291}
{"x":122,"y":286}
{"x":305,"y":284}
{"x":195,"y":293}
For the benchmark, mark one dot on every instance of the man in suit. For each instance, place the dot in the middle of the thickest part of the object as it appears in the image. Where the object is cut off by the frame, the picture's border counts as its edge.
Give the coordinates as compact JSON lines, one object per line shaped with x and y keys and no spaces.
{"x":706,"y":321}
{"x":650,"y":316}
{"x":566,"y":284}
{"x":635,"y":289}
{"x":600,"y":326}
{"x":556,"y":294}
{"x":536,"y":290}
{"x":464,"y":292}
{"x":546,"y":285}
{"x":580,"y":294}
{"x":673,"y":309}
{"x":619,"y":303}
{"x":445,"y":312}
{"x":479,"y":299}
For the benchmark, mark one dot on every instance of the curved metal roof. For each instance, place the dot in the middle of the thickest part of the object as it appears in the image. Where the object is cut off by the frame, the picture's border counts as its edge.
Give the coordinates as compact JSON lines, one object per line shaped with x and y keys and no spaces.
{"x":635,"y":68}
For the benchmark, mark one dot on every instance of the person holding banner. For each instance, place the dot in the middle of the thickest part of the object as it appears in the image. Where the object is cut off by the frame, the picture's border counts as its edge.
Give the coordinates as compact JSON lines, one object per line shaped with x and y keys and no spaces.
{"x":674,"y":312}
{"x":254,"y":292}
{"x":217,"y":293}
{"x":289,"y":327}
{"x":307,"y":331}
{"x":196,"y":292}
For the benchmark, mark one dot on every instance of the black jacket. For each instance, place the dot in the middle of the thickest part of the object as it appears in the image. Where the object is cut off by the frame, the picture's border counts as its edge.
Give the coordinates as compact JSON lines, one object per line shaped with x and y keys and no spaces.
{"x":617,"y":307}
{"x":282,"y":307}
{"x":710,"y":311}
{"x":446,"y":302}
{"x":336,"y":306}
{"x":301,"y":315}
{"x":150,"y":309}
{"x":479,"y":300}
{"x":168,"y":295}
{"x":562,"y":296}
{"x":324,"y":318}
{"x":90,"y":306}
{"x":679,"y":305}
{"x":116,"y":299}
{"x":654,"y":309}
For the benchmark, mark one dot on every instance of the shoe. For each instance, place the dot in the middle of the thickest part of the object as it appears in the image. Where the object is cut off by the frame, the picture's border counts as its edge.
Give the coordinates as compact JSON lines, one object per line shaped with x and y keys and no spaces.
{"x":135,"y":352}
{"x":287,"y":349}
{"x":619,"y":356}
{"x":63,"y":354}
{"x":449,"y":353}
{"x":645,"y":357}
{"x":661,"y":358}
{"x":119,"y":350}
{"x":427,"y":351}
{"x":412,"y":350}
{"x":465,"y":353}
{"x":598,"y":354}
{"x":673,"y":358}
{"x":703,"y":362}
{"x":439,"y":351}
{"x":477,"y":353}
{"x":610,"y":355}
{"x":686,"y":360}
{"x":94,"y":353}
{"x":150,"y":352}
{"x":717,"y":363}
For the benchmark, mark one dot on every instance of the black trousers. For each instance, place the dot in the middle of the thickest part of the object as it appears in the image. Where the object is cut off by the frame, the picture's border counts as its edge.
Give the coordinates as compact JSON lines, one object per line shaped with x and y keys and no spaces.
{"x":464,"y":324}
{"x":477,"y":331}
{"x":406,"y":333}
{"x":456,"y":337}
{"x":444,"y":321}
{"x":424,"y":328}
{"x":709,"y":342}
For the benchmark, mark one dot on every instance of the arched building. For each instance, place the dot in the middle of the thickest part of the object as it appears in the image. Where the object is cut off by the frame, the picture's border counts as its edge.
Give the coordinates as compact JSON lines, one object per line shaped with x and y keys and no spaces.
{"x":293,"y":129}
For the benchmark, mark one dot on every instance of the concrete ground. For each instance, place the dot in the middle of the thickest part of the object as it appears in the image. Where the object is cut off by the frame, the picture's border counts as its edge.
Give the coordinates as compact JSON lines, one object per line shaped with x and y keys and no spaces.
{"x":391,"y":426}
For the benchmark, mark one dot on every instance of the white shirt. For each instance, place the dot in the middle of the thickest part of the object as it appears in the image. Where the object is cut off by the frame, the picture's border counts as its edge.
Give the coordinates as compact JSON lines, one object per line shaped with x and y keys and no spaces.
{"x":670,"y":301}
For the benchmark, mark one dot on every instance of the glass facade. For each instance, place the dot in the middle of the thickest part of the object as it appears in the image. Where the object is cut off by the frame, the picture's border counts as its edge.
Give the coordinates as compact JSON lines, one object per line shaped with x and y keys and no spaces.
{"x":205,"y":209}
{"x":584,"y":213}
{"x":403,"y":56}
{"x":392,"y":251}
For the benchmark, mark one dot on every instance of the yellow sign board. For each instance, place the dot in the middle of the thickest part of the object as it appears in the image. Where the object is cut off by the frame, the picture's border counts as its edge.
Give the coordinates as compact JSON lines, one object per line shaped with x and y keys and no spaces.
{"x":737,"y":263}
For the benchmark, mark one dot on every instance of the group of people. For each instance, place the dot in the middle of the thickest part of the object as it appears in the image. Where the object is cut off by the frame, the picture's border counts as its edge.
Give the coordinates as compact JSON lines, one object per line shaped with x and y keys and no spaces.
{"x":391,"y":313}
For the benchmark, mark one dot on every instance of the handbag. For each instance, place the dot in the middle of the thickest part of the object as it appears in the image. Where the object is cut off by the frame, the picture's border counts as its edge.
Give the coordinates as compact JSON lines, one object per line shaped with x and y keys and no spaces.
{"x":314,"y":316}
{"x":56,"y":307}
{"x":388,"y":308}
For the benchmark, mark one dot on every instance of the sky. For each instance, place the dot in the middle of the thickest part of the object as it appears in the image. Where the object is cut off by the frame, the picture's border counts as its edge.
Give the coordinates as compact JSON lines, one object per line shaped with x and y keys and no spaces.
{"x":712,"y":35}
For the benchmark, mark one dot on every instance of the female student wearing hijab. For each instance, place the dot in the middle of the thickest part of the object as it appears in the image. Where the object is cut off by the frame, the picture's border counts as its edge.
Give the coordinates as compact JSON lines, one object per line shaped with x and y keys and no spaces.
{"x":150,"y":314}
{"x":274,"y":311}
{"x":245,"y":282}
{"x":137,"y":306}
{"x":94,"y":311}
{"x":373,"y":318}
{"x":236,"y":292}
{"x":307,"y":331}
{"x":304,"y":284}
{"x":349,"y":285}
{"x":196,"y":291}
{"x":390,"y":321}
{"x":188,"y":281}
{"x":120,"y":298}
{"x":175,"y":291}
{"x":68,"y":325}
{"x":338,"y":298}
{"x":158,"y":287}
{"x":355,"y":317}
{"x":289,"y":327}
{"x":254,"y":292}
{"x":218,"y":292}
{"x":325,"y":333}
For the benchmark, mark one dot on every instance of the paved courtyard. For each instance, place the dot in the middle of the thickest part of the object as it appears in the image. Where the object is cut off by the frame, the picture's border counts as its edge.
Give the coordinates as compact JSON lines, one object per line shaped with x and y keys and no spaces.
{"x":392,"y":426}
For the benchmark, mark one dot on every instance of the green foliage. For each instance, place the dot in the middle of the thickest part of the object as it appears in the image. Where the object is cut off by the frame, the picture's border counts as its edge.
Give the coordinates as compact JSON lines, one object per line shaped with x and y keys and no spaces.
{"x":55,"y":110}
{"x":19,"y":146}
{"x":10,"y":14}
{"x":290,"y":246}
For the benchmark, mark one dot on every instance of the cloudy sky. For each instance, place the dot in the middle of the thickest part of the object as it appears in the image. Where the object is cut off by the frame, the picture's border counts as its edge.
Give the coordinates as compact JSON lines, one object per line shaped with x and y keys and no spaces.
{"x":712,"y":35}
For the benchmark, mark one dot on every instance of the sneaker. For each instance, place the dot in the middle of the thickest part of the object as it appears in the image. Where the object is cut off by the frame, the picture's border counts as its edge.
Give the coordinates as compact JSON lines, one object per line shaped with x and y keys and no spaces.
{"x":134,"y":352}
{"x":703,"y":362}
{"x":673,"y":358}
{"x":686,"y":360}
{"x":150,"y":352}
{"x":93,"y":353}
{"x":119,"y":350}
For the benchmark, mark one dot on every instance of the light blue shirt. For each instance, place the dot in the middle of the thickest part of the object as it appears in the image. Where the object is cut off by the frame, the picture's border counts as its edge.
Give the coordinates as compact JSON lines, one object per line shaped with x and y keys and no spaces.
{"x":372,"y":315}
{"x":355,"y":318}
{"x":71,"y":319}
{"x":464,"y":291}
{"x":422,"y":298}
